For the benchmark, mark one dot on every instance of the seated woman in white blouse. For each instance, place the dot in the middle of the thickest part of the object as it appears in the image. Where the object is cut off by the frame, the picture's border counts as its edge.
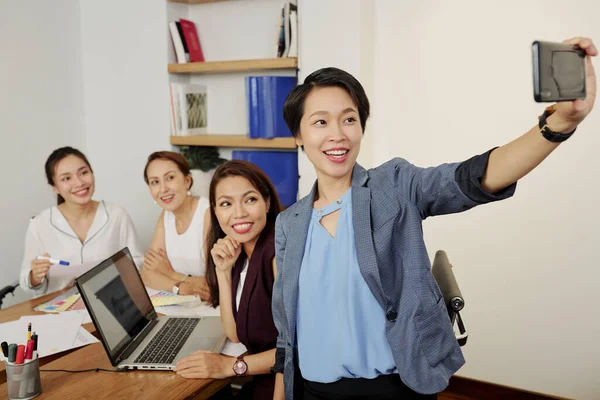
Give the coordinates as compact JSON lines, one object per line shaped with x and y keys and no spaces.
{"x":78,"y":230}
{"x":175,"y":260}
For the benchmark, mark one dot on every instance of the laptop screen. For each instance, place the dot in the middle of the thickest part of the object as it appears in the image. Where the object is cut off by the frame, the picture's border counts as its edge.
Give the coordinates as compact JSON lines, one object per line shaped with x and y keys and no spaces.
{"x":117,"y":301}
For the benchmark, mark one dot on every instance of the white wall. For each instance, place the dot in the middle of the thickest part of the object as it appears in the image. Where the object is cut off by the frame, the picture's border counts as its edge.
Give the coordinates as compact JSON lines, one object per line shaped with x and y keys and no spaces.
{"x":40,"y":110}
{"x":335,"y":33}
{"x":454,"y":80}
{"x":125,"y":96}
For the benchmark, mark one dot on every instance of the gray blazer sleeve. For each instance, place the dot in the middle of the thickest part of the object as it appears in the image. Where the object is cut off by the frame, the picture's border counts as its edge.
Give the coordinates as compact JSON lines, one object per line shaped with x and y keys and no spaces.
{"x":277,"y":299}
{"x":436,"y":190}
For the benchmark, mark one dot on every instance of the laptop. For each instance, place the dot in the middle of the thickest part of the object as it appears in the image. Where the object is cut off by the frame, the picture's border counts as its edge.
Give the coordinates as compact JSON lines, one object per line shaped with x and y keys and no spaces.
{"x":133,"y":336}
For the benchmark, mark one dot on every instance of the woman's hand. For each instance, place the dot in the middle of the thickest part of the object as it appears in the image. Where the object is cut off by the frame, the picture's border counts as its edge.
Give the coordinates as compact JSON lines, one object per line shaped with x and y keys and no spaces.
{"x":157,"y":260}
{"x":569,"y":114}
{"x":225,"y":253}
{"x":39,"y":270}
{"x":205,"y":364}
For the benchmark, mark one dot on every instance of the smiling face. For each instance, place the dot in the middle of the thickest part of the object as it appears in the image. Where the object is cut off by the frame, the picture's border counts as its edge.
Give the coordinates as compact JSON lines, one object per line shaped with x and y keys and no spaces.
{"x":73,"y":180}
{"x":168,"y":186}
{"x":240,"y":209}
{"x":330,"y":132}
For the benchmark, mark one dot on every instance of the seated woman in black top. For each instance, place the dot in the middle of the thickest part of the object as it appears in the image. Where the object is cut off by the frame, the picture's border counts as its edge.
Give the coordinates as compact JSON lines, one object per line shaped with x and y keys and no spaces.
{"x":240,"y":273}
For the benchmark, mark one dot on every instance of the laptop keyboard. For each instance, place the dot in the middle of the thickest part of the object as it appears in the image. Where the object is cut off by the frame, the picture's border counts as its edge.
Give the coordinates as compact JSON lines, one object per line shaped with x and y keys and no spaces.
{"x":163,"y":347}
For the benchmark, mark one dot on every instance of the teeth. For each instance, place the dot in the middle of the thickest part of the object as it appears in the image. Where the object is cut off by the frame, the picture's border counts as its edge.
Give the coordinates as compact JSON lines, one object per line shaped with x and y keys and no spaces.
{"x":167,"y":197}
{"x":336,"y":152}
{"x":81,"y":191}
{"x":241,"y":227}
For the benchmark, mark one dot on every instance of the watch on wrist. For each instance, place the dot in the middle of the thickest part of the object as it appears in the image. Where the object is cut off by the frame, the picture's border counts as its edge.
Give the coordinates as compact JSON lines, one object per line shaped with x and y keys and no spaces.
{"x":240,"y":367}
{"x":176,"y":287}
{"x":549,"y":134}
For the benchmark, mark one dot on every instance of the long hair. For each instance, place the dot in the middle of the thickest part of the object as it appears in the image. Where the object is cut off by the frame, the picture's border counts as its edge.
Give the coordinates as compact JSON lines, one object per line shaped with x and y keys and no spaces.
{"x":262,"y":184}
{"x":54,"y":159}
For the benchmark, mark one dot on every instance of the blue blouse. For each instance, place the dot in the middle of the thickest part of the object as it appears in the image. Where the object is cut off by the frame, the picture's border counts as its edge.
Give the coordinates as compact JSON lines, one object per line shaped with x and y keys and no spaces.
{"x":334,"y":298}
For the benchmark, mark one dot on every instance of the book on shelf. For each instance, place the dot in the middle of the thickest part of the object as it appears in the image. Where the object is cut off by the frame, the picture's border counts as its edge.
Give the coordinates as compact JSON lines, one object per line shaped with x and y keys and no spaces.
{"x":190,"y":35}
{"x":287,"y":43}
{"x":186,"y":41}
{"x":177,"y":43}
{"x":188,"y":109}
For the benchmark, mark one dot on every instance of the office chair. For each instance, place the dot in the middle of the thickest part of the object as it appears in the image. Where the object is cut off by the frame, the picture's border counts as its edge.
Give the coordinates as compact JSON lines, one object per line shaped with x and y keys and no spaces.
{"x":6,"y":290}
{"x":442,"y":272}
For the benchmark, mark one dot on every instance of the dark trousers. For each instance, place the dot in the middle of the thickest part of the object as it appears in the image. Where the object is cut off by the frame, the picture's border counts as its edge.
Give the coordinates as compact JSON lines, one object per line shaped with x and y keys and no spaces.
{"x":384,"y":387}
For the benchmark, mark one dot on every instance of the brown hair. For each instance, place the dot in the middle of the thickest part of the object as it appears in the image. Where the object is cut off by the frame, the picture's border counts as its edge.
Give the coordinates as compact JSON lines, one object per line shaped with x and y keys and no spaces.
{"x":54,"y":158}
{"x":262,"y":184}
{"x":177,"y":158}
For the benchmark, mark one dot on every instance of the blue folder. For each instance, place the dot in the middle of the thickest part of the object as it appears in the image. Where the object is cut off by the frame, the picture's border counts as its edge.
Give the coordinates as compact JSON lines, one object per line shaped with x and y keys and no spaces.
{"x":280,"y":166}
{"x":266,"y":95}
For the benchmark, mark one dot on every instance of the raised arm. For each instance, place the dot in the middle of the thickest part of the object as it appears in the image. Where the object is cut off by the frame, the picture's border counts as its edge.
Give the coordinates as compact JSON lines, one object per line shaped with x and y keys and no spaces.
{"x":511,"y":162}
{"x":225,"y":253}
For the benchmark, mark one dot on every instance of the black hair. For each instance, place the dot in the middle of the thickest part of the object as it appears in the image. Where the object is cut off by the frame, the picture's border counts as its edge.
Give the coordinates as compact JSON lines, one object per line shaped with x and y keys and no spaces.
{"x":54,"y":159}
{"x":293,"y":108}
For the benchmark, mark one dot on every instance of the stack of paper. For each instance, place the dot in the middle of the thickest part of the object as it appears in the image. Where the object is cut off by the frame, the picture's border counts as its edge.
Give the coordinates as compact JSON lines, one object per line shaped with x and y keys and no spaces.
{"x":56,"y":332}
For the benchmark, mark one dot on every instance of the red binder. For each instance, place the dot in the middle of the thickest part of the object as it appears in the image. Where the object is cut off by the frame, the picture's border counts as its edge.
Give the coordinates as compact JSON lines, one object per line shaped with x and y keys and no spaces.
{"x":192,"y":40}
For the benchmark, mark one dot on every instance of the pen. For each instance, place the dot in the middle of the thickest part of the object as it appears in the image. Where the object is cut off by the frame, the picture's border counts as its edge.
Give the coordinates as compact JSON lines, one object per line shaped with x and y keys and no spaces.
{"x":20,"y":354}
{"x":5,"y":349}
{"x":34,"y":337}
{"x":12,"y":352}
{"x":52,"y":260}
{"x":29,"y":350}
{"x":29,"y":332}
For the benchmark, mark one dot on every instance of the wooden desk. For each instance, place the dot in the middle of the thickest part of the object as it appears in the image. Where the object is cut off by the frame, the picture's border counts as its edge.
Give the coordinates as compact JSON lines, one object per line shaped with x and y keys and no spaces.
{"x":158,"y":385}
{"x":121,"y":385}
{"x":15,"y":312}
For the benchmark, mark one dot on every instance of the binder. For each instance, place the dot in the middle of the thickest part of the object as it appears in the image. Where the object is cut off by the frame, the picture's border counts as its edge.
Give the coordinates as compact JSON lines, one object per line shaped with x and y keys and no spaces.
{"x":280,"y":166}
{"x":265,"y":98}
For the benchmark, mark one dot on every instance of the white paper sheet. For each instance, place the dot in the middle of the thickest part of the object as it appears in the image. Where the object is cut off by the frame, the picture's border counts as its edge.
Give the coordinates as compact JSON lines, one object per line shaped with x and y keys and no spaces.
{"x":233,"y":349}
{"x":71,"y":272}
{"x":56,"y":332}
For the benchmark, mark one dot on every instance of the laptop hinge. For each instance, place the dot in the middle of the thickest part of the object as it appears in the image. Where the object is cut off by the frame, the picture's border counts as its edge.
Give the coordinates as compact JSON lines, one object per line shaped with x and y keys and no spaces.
{"x":134,"y":344}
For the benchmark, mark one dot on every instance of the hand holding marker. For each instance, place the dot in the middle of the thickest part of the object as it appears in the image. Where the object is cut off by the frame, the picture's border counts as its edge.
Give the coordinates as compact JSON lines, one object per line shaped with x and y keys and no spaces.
{"x":52,"y":260}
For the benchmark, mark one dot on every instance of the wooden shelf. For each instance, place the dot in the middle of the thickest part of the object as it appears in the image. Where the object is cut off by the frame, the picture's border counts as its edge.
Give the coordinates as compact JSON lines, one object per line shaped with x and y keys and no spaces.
{"x":233,"y":66}
{"x":195,"y":1}
{"x":234,"y":141}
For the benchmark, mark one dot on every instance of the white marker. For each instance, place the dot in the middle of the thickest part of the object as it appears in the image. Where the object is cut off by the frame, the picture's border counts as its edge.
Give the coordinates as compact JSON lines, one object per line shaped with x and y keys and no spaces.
{"x":52,"y":260}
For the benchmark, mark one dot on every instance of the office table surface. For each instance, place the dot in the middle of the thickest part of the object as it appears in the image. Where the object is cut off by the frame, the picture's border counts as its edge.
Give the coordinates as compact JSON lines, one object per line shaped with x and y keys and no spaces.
{"x":98,"y":385}
{"x":116,"y":385}
{"x":15,"y":312}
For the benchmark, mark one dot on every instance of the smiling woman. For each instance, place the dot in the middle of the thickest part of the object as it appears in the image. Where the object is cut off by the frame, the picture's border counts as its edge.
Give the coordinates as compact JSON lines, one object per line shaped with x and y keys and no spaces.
{"x":175,"y":259}
{"x":77,"y":230}
{"x":240,"y":272}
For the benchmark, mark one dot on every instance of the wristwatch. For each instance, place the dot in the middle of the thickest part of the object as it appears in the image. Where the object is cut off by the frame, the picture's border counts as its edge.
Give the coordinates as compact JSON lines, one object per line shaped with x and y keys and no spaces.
{"x":240,"y":367}
{"x":176,"y":287}
{"x":549,"y":134}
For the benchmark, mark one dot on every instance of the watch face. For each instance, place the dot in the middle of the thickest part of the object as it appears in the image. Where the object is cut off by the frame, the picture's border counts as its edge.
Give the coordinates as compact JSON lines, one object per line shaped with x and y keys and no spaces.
{"x":240,"y":367}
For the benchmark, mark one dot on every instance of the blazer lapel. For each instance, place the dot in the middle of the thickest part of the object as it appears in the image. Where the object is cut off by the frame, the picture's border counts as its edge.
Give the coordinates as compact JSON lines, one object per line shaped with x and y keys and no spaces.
{"x":361,"y":218}
{"x":296,"y":242}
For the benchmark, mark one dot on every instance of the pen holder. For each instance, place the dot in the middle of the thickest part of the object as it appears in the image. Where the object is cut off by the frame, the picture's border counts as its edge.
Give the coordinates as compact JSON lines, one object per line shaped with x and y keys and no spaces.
{"x":23,"y":380}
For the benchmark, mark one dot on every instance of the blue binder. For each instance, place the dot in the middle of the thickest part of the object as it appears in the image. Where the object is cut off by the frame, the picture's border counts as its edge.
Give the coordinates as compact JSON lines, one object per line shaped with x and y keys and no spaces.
{"x":280,"y":166}
{"x":266,"y":95}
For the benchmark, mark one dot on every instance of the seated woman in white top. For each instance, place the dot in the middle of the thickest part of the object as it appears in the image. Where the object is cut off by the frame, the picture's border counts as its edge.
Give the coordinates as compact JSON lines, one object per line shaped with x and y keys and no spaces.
{"x":78,"y":230}
{"x":175,"y":260}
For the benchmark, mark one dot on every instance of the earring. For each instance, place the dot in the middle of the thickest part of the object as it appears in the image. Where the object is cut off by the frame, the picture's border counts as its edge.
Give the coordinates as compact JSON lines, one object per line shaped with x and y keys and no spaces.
{"x":189,"y":193}
{"x":155,"y":203}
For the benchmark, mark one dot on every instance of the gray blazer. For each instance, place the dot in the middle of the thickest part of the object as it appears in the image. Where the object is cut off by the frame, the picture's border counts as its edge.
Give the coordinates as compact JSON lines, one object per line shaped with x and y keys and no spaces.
{"x":388,"y":205}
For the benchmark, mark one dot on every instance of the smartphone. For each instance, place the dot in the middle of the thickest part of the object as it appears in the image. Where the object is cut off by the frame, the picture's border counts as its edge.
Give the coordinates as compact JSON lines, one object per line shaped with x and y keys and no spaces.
{"x":558,"y":72}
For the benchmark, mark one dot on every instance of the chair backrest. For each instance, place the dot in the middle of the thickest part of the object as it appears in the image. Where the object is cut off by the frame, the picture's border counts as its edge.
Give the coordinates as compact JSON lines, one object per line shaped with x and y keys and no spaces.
{"x":442,"y":272}
{"x":6,"y":290}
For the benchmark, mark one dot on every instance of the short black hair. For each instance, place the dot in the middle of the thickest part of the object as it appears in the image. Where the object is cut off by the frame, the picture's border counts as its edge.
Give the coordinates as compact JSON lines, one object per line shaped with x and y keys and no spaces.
{"x":293,"y":108}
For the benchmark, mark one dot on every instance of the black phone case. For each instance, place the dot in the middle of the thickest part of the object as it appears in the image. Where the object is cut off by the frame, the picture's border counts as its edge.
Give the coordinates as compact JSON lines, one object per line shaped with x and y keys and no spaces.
{"x":558,"y":72}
